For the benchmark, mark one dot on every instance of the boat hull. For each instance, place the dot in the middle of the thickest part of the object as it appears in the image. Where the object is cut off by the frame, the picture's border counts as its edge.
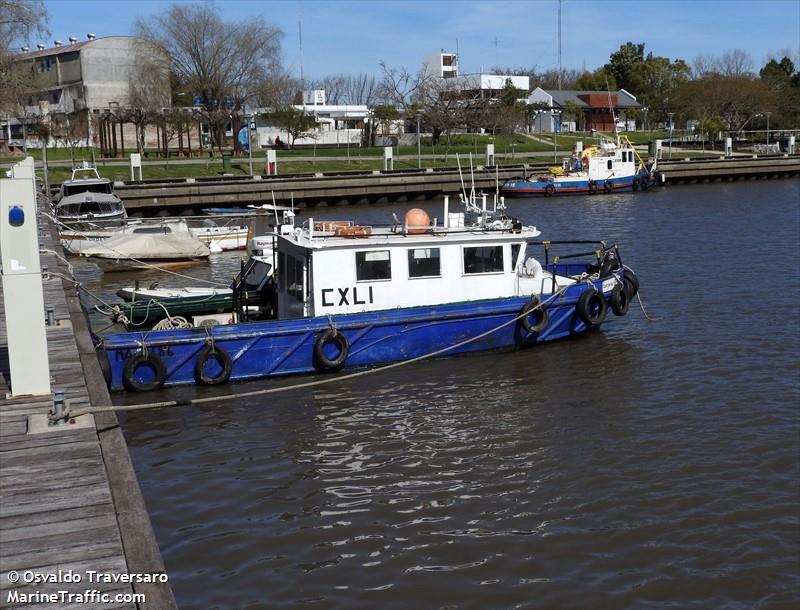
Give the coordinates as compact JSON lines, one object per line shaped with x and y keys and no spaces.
{"x":570,"y":186}
{"x":285,"y":347}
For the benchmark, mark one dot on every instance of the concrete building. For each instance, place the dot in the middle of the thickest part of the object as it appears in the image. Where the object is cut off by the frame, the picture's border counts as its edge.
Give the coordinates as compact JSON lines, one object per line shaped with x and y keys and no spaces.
{"x":441,"y":65}
{"x":336,"y":124}
{"x":595,"y":106}
{"x":490,"y":85}
{"x":81,"y":80}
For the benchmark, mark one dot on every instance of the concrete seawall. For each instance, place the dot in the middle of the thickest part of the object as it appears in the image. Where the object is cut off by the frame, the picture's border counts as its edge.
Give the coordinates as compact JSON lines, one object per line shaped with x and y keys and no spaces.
{"x":191,"y":195}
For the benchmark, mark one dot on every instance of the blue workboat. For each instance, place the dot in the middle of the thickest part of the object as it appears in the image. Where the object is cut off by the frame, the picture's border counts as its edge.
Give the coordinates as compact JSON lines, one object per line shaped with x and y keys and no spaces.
{"x":349,"y":296}
{"x":608,"y":167}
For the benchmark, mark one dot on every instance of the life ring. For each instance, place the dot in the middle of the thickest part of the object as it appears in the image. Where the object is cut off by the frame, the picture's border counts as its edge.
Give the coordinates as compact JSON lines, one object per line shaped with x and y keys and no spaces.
{"x":635,"y":185}
{"x":592,"y":307}
{"x":630,"y":282}
{"x":321,"y":359}
{"x":149,"y":360}
{"x":620,"y":300}
{"x":592,"y":187}
{"x":606,"y":186}
{"x":222,"y":357}
{"x":549,"y":190}
{"x":609,"y":265}
{"x":534,"y":308}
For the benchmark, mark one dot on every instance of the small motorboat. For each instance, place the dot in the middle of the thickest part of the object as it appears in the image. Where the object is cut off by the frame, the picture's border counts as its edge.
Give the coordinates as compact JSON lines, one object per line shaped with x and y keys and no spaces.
{"x":146,"y":307}
{"x":86,"y":197}
{"x":147,"y":247}
{"x":217,"y":238}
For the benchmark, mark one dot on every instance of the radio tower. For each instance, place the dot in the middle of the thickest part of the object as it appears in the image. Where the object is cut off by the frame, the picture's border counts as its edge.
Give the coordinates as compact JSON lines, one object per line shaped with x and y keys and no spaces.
{"x":559,"y":45}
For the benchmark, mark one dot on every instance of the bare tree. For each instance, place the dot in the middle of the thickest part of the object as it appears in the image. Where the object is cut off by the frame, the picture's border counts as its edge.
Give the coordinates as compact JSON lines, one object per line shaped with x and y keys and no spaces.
{"x":18,"y":20}
{"x":360,"y":89}
{"x":400,"y":87}
{"x":217,"y":60}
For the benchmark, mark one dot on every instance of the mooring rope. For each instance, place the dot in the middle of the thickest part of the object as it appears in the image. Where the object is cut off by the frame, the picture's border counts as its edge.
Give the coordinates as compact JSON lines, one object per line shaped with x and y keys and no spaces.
{"x":308,"y":384}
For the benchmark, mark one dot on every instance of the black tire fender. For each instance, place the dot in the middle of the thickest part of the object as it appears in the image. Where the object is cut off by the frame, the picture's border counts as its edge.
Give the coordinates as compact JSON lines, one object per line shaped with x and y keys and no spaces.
{"x":592,"y":307}
{"x":606,"y":187}
{"x":631,"y":283}
{"x":635,"y":185}
{"x":321,"y":361}
{"x":620,"y":301}
{"x":592,"y":187}
{"x":138,"y":359}
{"x":549,"y":190}
{"x":539,"y":312}
{"x":220,"y":355}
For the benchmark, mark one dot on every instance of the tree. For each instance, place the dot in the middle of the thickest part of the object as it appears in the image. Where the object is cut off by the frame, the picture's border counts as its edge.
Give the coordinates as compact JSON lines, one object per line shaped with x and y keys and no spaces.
{"x":783,"y":80}
{"x":18,"y":20}
{"x":217,"y":60}
{"x":625,"y":65}
{"x":297,"y":123}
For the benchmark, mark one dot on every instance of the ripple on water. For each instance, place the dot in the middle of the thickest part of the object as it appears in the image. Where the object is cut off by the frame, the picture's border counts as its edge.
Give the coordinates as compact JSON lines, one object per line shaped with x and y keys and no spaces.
{"x":651,"y":465}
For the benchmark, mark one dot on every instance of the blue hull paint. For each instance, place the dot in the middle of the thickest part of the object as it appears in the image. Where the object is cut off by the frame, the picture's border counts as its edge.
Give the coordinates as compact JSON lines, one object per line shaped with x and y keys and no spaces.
{"x":285,"y":347}
{"x":524,"y":188}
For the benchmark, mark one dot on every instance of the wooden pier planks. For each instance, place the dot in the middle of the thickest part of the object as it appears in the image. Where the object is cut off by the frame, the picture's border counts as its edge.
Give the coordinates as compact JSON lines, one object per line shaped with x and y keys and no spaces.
{"x":69,"y":499}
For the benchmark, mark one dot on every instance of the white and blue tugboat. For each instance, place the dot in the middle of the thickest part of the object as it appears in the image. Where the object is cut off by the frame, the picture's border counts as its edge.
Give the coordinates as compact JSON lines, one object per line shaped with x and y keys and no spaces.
{"x":347,"y":296}
{"x":609,"y":166}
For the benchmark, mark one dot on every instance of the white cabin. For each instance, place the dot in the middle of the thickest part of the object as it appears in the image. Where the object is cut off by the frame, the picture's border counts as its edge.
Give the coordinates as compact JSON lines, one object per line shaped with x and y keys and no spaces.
{"x":320,"y":271}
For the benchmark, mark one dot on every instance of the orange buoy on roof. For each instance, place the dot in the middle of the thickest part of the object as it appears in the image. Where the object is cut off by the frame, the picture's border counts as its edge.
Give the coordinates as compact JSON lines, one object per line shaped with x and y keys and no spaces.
{"x":417,"y":221}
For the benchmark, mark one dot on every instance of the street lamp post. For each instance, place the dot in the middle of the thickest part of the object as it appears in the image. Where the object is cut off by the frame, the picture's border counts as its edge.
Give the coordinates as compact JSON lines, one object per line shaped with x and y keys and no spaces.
{"x":251,"y":122}
{"x":767,"y":114}
{"x":419,"y":146}
{"x":670,"y":115}
{"x":644,"y":126}
{"x":556,"y":114}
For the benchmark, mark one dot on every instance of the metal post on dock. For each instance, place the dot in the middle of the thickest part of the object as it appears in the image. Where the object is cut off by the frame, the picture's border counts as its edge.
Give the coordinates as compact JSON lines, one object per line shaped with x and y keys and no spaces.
{"x":51,"y":315}
{"x":21,"y":276}
{"x":59,"y":406}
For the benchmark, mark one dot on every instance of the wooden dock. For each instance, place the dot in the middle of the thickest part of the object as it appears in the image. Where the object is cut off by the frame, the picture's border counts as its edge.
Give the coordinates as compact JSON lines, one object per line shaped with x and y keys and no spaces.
{"x":69,"y":499}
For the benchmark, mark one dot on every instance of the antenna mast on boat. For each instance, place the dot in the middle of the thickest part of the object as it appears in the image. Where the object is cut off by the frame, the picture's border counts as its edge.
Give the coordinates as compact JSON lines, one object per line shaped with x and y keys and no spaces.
{"x":613,"y":115}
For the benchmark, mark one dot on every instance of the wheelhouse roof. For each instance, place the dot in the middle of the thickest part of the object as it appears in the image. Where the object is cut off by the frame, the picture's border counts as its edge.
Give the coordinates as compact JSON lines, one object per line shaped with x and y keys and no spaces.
{"x":386,"y":237}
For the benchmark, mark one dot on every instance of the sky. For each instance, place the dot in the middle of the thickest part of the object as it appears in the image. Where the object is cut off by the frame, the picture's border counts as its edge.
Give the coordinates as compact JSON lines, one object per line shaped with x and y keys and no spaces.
{"x":352,"y":36}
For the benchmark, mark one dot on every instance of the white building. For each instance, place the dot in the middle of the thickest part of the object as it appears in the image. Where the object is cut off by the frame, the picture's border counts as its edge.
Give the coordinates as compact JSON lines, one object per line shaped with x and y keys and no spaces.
{"x":337,"y":124}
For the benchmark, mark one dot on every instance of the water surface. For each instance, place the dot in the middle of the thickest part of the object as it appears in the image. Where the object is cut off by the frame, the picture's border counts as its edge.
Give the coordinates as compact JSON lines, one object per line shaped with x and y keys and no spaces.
{"x":651,"y":465}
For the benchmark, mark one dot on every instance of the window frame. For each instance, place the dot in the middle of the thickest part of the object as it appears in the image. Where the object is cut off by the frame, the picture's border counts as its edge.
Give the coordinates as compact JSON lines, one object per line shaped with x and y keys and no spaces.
{"x":464,"y":271}
{"x":438,"y":257}
{"x":365,"y":252}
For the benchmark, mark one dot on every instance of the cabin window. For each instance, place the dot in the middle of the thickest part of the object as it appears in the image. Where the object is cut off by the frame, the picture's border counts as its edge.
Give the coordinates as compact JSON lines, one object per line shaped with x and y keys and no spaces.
{"x":375,"y":265}
{"x":610,"y":164}
{"x":514,"y":256}
{"x":424,"y":262}
{"x":485,"y":259}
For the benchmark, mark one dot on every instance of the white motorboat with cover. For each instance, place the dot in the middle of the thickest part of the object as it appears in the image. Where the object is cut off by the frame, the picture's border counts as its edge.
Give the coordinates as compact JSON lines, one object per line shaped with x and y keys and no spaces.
{"x":87,"y":197}
{"x":147,"y":247}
